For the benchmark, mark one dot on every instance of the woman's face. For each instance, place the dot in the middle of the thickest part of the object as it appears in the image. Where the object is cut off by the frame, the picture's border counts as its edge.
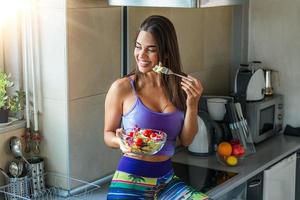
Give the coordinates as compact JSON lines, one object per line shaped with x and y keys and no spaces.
{"x":145,"y":52}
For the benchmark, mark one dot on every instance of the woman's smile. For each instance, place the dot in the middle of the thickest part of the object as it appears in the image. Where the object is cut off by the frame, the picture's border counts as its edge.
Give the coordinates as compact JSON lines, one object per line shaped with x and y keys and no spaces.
{"x":143,"y":63}
{"x":145,"y":52}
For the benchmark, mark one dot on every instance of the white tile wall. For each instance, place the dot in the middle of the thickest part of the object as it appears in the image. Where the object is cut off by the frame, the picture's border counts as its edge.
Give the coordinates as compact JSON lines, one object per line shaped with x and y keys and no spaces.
{"x":275,"y":40}
{"x":53,"y":53}
{"x":54,"y":85}
{"x":55,"y":144}
{"x":90,"y":158}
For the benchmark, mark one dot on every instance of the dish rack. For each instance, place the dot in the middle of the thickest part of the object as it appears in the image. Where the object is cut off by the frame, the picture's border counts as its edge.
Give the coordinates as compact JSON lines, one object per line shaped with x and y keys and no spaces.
{"x":47,"y":186}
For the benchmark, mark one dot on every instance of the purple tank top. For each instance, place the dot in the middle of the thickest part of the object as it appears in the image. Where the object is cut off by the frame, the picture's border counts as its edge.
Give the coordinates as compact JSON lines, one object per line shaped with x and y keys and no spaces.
{"x":141,"y":116}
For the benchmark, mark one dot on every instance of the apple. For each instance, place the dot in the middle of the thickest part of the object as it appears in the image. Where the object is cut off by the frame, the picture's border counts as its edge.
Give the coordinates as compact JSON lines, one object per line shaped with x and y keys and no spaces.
{"x":235,"y":142}
{"x":238,"y":150}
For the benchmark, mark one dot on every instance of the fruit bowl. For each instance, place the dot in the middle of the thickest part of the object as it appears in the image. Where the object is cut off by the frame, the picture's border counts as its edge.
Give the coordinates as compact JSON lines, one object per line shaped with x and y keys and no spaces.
{"x":230,"y":161}
{"x":143,"y":141}
{"x":230,"y":153}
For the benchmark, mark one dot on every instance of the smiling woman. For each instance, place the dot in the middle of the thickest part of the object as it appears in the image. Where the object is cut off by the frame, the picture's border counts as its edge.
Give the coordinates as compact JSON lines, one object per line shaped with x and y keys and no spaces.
{"x":146,"y":100}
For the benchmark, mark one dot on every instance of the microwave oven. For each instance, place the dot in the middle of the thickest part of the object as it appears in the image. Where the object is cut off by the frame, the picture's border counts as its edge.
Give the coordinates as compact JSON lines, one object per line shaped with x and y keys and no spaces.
{"x":265,"y":117}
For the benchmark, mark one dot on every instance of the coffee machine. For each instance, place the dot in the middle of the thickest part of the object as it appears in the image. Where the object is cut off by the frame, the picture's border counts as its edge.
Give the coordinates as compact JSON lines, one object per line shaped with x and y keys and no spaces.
{"x":212,"y":128}
{"x":209,"y":133}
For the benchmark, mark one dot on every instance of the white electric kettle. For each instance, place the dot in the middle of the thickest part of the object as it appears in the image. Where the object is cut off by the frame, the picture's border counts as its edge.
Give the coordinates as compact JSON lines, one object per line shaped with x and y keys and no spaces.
{"x":209,"y":134}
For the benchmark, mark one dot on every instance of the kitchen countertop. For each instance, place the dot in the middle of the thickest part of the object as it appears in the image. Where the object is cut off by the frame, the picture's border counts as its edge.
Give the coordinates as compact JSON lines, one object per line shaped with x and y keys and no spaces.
{"x":267,"y":153}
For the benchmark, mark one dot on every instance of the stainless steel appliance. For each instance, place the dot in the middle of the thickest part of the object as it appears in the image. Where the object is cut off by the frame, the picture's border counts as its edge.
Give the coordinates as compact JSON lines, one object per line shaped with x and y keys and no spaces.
{"x":265,"y":117}
{"x":269,"y":75}
{"x":36,"y":174}
{"x":268,"y":87}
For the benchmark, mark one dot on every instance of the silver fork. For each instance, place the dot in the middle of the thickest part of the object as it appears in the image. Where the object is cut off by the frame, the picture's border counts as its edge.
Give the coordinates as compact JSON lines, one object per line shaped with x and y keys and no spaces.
{"x":165,"y":70}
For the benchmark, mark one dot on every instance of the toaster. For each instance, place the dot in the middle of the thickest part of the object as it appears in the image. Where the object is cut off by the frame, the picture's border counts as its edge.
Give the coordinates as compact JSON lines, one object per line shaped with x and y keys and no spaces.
{"x":250,"y":83}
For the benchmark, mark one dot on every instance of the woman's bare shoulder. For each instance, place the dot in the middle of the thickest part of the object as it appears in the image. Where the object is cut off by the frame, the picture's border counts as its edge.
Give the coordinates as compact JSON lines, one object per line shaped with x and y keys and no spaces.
{"x":121,"y":86}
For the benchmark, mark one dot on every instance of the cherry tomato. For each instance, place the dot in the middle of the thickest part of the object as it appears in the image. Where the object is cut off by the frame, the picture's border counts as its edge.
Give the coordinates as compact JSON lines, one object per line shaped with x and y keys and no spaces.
{"x":139,"y":142}
{"x":130,"y":134}
{"x":147,"y":133}
{"x":153,"y":135}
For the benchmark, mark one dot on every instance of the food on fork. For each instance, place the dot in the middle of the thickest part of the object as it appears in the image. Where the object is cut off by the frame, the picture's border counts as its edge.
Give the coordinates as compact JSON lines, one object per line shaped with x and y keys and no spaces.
{"x":158,"y":68}
{"x":164,"y":70}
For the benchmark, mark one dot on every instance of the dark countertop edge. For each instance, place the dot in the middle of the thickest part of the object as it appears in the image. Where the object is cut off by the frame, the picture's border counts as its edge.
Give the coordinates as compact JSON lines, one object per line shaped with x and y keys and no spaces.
{"x":243,"y":176}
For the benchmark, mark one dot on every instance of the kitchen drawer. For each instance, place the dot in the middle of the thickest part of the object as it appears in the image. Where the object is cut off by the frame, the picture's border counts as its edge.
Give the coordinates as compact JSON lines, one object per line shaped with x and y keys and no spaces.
{"x":255,"y":187}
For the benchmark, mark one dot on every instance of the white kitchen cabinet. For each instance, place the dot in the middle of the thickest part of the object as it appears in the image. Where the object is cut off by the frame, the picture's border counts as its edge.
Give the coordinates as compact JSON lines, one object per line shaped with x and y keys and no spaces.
{"x":280,"y":180}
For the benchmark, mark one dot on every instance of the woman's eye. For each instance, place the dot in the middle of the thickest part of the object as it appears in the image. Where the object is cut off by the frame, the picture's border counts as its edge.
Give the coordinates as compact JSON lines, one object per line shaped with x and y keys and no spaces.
{"x":147,"y":49}
{"x":138,"y":47}
{"x":152,"y":50}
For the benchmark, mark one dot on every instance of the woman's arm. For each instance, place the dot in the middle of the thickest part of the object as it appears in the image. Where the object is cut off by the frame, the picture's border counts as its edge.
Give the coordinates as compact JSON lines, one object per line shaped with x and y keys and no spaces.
{"x":113,"y":114}
{"x":190,"y":126}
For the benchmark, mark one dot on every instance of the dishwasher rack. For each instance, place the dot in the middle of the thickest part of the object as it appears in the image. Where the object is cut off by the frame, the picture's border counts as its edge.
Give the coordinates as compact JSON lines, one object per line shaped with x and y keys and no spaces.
{"x":57,"y":187}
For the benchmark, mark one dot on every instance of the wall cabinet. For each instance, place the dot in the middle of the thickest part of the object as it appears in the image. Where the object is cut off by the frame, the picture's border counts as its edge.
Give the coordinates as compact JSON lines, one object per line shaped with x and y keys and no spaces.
{"x":212,"y":3}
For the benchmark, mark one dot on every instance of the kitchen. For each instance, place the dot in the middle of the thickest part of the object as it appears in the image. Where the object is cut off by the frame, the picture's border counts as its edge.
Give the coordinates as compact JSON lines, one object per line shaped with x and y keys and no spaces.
{"x":75,"y":34}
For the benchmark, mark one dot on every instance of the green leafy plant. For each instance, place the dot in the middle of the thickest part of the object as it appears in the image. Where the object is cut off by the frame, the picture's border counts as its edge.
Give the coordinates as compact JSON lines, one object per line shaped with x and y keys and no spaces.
{"x":17,"y":102}
{"x":5,"y":83}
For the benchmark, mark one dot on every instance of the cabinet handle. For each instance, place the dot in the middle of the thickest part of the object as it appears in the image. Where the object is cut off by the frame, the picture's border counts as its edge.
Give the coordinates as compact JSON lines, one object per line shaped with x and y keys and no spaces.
{"x":254,"y":183}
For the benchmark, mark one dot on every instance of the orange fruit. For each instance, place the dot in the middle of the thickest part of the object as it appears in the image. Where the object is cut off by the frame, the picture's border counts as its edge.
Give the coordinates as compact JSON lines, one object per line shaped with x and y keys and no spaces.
{"x":224,"y":149}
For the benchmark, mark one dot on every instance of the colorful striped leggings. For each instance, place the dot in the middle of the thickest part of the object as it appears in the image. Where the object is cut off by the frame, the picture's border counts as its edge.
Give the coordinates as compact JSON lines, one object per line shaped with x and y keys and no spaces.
{"x":137,"y":179}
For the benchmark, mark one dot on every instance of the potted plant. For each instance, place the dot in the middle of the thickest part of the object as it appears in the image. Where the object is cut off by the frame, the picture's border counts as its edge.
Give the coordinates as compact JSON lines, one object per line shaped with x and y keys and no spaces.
{"x":5,"y":83}
{"x":17,"y":104}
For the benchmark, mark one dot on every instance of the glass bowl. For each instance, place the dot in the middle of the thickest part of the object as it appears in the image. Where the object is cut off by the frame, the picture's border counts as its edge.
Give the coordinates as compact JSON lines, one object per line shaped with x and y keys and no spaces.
{"x":230,"y":161}
{"x":143,"y":141}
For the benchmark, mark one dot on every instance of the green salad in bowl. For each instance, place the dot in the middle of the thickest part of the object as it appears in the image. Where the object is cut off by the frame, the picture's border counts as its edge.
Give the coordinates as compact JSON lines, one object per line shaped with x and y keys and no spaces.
{"x":144,"y":141}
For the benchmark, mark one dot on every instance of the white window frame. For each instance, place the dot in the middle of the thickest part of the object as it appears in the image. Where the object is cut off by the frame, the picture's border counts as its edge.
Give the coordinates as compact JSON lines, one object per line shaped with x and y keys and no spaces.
{"x":1,"y":51}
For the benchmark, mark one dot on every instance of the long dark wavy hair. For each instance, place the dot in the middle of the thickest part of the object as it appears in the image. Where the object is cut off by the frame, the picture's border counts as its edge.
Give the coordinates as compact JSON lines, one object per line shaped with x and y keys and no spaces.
{"x":164,"y":33}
